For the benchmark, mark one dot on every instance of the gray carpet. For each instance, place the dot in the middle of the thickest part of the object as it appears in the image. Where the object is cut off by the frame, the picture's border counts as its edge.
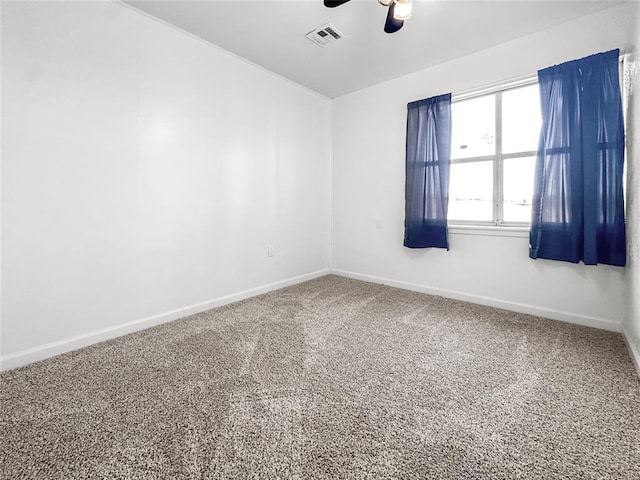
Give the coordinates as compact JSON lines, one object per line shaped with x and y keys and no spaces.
{"x":332,"y":378}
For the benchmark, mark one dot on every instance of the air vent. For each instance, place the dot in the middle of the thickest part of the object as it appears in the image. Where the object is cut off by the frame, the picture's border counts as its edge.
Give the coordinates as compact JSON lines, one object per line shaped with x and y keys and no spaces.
{"x":324,"y":35}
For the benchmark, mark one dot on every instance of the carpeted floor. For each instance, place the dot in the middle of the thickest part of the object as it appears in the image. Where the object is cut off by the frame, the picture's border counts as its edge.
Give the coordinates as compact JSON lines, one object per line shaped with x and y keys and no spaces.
{"x":333,"y":378}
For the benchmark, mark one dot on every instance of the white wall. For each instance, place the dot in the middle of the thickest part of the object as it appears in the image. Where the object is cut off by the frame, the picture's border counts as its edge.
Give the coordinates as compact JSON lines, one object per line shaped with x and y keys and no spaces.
{"x":368,"y":139}
{"x":631,"y":325}
{"x":143,"y":173}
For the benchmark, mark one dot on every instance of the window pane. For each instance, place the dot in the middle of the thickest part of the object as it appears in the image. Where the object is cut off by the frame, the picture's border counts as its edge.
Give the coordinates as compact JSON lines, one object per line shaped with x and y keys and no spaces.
{"x":518,"y":188}
{"x":473,"y":127}
{"x":471,"y":191}
{"x":520,"y":119}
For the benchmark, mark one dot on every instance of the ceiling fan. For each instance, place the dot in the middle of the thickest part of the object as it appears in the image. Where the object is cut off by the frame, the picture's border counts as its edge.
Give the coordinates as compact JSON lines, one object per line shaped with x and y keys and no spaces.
{"x":398,"y":12}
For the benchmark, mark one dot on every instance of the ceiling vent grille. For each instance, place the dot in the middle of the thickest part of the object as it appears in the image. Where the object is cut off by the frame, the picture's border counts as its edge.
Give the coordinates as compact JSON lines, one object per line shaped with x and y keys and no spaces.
{"x":324,"y":35}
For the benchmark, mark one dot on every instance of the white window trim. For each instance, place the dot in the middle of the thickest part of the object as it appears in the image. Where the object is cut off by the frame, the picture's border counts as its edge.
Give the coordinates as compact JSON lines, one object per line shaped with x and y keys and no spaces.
{"x":495,"y":87}
{"x":458,"y":227}
{"x":498,"y":227}
{"x":489,"y":230}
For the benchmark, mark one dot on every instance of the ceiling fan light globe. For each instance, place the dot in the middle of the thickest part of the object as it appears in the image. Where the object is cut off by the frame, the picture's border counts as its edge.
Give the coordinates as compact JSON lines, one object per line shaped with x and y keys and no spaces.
{"x":402,"y":10}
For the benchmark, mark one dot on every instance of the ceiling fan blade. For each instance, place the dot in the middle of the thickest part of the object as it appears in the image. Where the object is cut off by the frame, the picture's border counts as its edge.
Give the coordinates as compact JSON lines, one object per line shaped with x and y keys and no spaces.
{"x":392,"y":25}
{"x":334,"y":3}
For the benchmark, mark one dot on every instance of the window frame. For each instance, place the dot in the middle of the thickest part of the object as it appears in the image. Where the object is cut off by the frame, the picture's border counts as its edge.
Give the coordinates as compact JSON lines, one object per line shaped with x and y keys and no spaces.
{"x":497,"y":158}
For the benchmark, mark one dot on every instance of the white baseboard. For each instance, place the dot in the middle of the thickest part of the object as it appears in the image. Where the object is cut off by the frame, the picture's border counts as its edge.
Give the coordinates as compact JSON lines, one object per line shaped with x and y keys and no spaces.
{"x":601,"y":323}
{"x":48,"y":350}
{"x":634,"y":350}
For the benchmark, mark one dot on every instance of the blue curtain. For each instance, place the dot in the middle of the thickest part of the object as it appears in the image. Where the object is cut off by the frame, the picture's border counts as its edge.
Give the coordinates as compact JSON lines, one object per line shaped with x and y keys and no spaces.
{"x":428,"y":163}
{"x":578,"y":205}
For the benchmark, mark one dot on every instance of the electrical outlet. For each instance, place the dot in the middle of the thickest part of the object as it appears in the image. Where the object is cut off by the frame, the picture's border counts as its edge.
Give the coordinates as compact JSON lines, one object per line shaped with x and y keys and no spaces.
{"x":270,"y":251}
{"x":378,"y":223}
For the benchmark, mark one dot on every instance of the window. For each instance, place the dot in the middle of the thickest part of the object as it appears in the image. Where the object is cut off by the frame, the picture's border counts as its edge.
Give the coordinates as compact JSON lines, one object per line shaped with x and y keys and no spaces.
{"x":494,"y":142}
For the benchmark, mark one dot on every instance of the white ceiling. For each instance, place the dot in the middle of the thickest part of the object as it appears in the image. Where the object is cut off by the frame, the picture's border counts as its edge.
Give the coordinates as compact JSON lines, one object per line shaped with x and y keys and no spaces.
{"x":272,"y":33}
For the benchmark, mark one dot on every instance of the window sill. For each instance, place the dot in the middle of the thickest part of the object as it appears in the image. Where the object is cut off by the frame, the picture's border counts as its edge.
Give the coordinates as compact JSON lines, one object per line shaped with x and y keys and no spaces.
{"x":490,"y":230}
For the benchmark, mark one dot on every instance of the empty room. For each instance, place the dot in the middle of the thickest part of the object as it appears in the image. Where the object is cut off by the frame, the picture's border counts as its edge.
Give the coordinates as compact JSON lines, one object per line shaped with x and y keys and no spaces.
{"x":314,"y":239}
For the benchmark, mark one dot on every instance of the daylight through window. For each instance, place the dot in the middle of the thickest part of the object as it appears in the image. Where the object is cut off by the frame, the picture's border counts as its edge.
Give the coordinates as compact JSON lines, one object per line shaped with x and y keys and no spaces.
{"x":493,"y":151}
